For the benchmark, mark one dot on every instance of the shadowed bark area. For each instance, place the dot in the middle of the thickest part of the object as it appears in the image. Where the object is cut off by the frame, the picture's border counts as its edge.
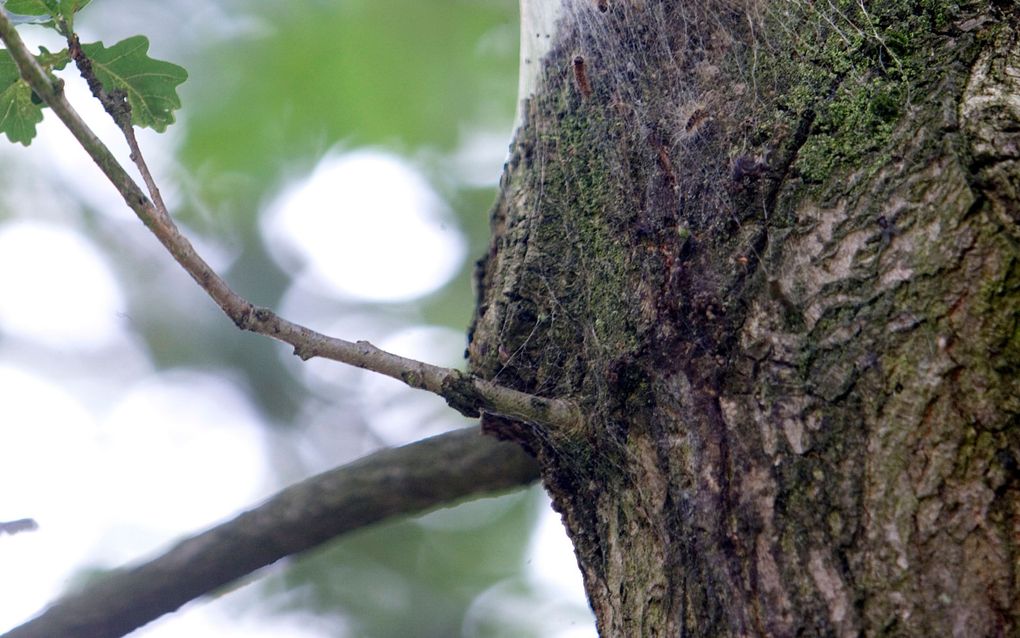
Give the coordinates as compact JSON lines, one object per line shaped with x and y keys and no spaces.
{"x":772,"y":249}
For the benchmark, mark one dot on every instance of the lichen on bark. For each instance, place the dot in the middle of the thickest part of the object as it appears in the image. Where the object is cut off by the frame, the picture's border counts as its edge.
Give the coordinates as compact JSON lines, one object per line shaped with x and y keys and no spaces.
{"x":770,"y":248}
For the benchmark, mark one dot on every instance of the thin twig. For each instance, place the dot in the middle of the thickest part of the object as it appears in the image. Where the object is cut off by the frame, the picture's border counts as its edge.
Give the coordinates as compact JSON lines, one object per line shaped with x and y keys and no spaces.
{"x":400,"y":481}
{"x":119,"y":109}
{"x":465,"y":393}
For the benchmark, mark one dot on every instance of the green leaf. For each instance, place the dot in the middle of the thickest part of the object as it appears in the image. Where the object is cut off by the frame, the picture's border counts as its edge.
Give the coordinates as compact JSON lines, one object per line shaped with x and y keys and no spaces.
{"x":31,"y":7}
{"x":150,"y":85}
{"x":51,"y":9}
{"x":70,"y":7}
{"x":32,"y":12}
{"x":18,"y":113}
{"x":52,"y":61}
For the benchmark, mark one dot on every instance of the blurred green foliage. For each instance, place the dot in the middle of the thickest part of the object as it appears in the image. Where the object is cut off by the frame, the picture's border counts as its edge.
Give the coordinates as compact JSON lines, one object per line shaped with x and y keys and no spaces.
{"x":313,"y":74}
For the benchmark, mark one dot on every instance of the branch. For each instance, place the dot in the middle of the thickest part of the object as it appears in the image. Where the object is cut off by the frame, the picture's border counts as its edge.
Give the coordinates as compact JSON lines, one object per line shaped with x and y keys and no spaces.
{"x":118,"y":108}
{"x":403,"y":480}
{"x":18,"y":526}
{"x":467,"y":394}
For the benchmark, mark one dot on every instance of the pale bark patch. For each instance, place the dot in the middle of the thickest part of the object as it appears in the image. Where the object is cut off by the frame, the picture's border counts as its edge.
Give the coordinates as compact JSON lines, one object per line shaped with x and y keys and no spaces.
{"x":833,"y":590}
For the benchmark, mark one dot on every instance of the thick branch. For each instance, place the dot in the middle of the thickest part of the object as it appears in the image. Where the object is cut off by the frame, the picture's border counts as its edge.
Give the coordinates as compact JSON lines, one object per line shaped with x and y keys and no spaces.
{"x":469,"y":395}
{"x":404,"y":480}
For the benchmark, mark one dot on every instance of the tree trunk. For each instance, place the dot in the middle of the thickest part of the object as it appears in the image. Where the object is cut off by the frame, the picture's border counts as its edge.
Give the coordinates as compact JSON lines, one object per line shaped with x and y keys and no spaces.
{"x":771,"y":247}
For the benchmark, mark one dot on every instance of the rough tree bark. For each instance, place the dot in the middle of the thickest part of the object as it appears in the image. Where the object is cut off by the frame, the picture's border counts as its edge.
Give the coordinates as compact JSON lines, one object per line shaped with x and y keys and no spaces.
{"x":772,"y":248}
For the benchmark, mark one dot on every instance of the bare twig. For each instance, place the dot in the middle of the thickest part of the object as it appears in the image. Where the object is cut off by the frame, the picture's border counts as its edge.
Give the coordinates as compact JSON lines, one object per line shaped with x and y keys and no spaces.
{"x":119,"y":109}
{"x":394,"y":482}
{"x":465,"y":393}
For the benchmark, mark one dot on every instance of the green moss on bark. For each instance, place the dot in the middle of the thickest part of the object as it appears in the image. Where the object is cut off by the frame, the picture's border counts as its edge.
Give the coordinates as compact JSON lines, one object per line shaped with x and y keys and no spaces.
{"x":858,"y":68}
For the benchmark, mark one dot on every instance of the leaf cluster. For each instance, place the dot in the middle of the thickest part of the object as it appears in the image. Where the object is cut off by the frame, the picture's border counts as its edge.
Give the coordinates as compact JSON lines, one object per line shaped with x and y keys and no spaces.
{"x":149,"y":85}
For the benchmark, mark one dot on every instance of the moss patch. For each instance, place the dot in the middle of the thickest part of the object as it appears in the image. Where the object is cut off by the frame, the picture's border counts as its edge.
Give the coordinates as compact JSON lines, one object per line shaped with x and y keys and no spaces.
{"x":859,"y":83}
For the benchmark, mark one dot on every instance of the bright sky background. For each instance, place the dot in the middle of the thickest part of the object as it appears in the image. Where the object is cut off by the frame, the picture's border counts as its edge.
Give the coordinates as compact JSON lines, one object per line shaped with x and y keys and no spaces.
{"x":71,"y":435}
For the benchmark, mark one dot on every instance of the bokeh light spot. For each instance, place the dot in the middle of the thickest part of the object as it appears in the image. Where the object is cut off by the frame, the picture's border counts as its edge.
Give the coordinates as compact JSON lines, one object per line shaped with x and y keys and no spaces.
{"x":55,"y":287}
{"x":366,"y":225}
